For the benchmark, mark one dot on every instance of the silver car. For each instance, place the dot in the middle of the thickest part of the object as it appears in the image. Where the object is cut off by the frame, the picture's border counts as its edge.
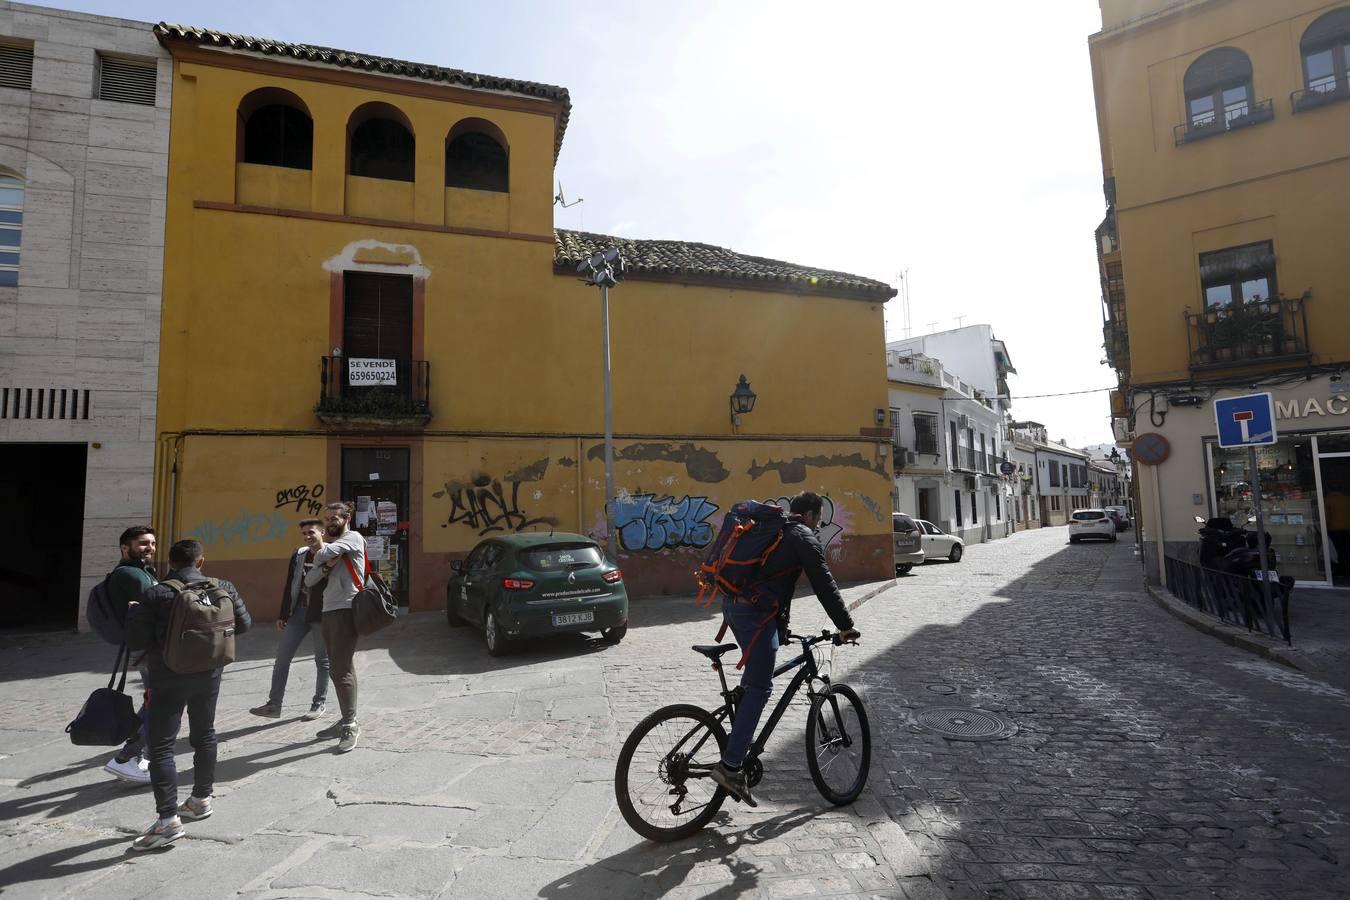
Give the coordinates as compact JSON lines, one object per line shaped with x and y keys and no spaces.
{"x":908,"y":540}
{"x":938,"y":543}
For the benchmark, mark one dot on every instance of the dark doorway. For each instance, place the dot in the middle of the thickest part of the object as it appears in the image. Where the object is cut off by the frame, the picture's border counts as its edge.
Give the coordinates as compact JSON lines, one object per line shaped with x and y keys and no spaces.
{"x":375,"y":483}
{"x":42,"y":488}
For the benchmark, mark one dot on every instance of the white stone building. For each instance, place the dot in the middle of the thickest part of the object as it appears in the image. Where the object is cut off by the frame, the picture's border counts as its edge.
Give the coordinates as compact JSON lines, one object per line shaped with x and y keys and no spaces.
{"x":84,"y":133}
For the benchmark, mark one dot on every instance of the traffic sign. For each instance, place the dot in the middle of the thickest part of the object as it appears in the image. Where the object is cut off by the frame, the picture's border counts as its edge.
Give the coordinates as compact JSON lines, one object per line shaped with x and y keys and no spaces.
{"x":1151,"y":448}
{"x":1246,"y":421}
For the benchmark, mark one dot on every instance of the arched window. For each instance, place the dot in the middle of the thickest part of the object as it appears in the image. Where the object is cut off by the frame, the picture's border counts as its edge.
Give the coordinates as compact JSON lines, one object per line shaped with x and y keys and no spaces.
{"x":11,"y":224}
{"x":1218,"y":89}
{"x":381,"y":143}
{"x":476,"y":157}
{"x":276,"y":130}
{"x":1326,"y":53}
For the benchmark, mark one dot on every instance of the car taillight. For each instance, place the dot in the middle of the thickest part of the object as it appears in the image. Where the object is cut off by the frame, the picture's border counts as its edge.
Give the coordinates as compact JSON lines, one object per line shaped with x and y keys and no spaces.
{"x":613,"y":577}
{"x":517,"y":584}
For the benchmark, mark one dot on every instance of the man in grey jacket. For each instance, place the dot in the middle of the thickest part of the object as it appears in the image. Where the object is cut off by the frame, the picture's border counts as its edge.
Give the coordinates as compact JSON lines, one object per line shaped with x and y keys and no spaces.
{"x":342,"y":560}
{"x":301,"y":616}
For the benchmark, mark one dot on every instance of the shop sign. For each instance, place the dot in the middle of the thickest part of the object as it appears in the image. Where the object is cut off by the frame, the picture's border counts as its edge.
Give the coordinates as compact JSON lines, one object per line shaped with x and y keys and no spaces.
{"x":1299,"y":409}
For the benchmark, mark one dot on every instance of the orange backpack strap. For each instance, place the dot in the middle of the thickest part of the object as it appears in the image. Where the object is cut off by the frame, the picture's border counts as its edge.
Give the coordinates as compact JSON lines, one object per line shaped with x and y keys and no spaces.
{"x":745,"y":654}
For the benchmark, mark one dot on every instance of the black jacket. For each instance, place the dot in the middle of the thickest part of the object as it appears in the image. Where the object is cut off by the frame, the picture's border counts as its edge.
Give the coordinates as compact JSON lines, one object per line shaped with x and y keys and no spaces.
{"x":800,"y":551}
{"x":294,"y":575}
{"x":128,"y":582}
{"x":148,"y":621}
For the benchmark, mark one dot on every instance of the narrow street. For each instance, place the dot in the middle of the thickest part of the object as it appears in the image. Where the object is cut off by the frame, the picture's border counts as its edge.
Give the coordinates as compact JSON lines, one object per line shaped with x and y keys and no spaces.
{"x":1148,"y":761}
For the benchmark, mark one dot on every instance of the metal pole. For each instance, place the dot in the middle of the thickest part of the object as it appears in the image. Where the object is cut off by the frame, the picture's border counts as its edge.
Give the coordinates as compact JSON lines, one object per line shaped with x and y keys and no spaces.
{"x":611,"y":537}
{"x":1255,"y":476}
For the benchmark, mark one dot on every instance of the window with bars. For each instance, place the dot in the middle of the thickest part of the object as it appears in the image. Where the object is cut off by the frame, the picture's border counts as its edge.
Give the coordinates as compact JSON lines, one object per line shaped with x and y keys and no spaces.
{"x":16,"y":66}
{"x":11,"y":227}
{"x":126,"y":80}
{"x":44,"y":403}
{"x":925,"y":433}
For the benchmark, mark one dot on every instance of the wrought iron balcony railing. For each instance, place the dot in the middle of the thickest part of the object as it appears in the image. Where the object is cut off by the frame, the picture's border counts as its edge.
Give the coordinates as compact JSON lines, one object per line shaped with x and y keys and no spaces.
{"x":407,"y":397}
{"x":1261,"y":331}
{"x":1324,"y":93}
{"x":1223,"y":122}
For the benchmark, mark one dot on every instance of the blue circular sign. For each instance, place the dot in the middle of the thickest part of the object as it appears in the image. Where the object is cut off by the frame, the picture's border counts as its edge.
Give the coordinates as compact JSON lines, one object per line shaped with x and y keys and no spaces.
{"x":1007,"y":468}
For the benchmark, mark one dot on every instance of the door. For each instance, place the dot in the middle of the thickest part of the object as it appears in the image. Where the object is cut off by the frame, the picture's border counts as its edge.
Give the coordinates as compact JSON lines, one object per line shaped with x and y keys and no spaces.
{"x":42,"y":488}
{"x":377,"y":324}
{"x":477,"y":591}
{"x":1333,"y":480}
{"x":375,"y":483}
{"x":927,"y":503}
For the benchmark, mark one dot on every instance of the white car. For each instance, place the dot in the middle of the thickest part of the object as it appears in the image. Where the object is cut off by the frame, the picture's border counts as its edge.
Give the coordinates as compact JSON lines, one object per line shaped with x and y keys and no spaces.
{"x":1091,"y":523}
{"x":938,"y":543}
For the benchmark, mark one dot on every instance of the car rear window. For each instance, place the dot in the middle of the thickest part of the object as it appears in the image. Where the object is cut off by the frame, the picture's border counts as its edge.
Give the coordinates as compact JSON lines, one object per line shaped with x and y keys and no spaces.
{"x":1090,"y":516}
{"x":903,"y":524}
{"x":559,"y":557}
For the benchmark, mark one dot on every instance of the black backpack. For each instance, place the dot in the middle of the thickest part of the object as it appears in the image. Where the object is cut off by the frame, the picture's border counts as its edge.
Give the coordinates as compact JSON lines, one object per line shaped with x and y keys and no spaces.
{"x":106,"y":617}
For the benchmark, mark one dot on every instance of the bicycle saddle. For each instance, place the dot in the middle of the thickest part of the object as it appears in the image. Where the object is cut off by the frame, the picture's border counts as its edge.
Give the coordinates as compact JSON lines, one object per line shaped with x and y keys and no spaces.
{"x":712,"y":651}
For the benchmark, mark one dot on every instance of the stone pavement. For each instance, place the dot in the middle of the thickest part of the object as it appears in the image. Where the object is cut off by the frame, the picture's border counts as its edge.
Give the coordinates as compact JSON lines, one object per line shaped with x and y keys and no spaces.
{"x":1149,"y":761}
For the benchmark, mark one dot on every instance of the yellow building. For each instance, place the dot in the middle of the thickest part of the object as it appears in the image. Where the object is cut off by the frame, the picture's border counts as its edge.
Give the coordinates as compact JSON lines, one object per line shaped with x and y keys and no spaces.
{"x":365,"y":298}
{"x":1224,"y":141}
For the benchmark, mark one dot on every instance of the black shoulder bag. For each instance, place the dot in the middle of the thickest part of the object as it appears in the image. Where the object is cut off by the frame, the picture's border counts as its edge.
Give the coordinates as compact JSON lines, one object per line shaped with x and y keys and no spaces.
{"x":109,"y":715}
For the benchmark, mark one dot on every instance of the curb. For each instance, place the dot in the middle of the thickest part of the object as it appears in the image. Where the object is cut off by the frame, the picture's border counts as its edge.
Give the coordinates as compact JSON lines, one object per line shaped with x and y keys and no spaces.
{"x":1230,"y":634}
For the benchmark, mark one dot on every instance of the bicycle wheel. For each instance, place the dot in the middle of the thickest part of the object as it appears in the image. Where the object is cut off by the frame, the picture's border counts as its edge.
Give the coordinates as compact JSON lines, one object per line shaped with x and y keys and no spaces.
{"x":662,"y":779}
{"x":838,"y":744}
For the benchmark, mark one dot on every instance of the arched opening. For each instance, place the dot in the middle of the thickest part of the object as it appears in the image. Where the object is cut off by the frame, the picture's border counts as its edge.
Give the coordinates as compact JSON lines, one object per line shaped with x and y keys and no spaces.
{"x":11,"y":227}
{"x":1325,"y":48}
{"x":380,"y":143}
{"x":1218,"y":89}
{"x":476,"y":157}
{"x":276,"y":129}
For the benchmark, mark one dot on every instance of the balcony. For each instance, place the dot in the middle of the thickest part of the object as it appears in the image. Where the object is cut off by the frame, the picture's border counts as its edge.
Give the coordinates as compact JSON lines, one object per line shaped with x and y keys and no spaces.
{"x":1241,"y":117}
{"x":395,"y":395}
{"x":1318,"y":95}
{"x":1116,"y":341}
{"x":1257,"y":332}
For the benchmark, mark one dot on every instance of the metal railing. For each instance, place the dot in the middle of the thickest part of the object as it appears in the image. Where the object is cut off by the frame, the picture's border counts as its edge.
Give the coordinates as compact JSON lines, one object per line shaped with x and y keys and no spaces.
{"x":1253,"y":332}
{"x":1325,"y":92}
{"x":409,"y":395}
{"x":1241,"y":116}
{"x":1234,"y":599}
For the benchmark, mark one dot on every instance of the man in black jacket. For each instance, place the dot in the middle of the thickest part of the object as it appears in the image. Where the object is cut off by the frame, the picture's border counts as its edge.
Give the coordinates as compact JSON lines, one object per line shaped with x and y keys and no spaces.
{"x":170,"y":693}
{"x":301,"y":614}
{"x":134,"y":575}
{"x":757,"y":626}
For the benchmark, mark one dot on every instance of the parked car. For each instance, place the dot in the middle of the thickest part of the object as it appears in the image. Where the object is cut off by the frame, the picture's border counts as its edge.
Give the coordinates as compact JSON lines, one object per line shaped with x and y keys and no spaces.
{"x":1121,"y":515}
{"x":531,"y":585}
{"x":908,"y":540}
{"x":1091,"y":523}
{"x":938,"y":543}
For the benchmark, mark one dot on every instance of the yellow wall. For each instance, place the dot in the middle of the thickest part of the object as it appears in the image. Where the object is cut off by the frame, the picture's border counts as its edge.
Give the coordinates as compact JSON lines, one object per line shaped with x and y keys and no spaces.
{"x":1283,"y":180}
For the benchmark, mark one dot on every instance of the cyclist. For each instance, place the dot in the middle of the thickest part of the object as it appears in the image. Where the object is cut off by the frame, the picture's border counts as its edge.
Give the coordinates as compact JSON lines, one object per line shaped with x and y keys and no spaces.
{"x":759,"y":637}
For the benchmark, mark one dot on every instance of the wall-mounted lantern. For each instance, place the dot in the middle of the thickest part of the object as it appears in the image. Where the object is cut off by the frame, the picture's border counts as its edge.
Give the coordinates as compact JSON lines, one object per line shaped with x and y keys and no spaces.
{"x":742,"y":401}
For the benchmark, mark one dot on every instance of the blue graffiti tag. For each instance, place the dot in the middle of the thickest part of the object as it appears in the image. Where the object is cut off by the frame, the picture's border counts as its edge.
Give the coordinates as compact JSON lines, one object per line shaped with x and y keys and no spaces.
{"x":648,"y":522}
{"x":248,"y":528}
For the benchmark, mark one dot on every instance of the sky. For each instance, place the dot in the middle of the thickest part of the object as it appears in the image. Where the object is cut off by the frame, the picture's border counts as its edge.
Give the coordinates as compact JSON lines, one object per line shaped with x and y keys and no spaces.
{"x":957,"y":143}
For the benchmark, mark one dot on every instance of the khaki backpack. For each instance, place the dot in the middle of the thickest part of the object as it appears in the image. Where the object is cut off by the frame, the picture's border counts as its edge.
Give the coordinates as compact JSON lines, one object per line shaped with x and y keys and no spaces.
{"x":200,"y":636}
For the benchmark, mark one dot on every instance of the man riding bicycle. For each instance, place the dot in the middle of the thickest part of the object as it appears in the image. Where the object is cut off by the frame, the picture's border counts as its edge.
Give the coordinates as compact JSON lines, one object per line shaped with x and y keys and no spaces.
{"x":799,"y":551}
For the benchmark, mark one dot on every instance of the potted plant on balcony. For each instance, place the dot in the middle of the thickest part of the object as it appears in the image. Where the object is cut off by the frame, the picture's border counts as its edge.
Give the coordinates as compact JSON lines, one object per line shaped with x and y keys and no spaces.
{"x":1229,"y":333}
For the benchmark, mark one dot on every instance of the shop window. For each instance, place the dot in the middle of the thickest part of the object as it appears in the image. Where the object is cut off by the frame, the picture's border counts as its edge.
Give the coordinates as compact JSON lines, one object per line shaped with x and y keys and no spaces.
{"x":1218,"y":89}
{"x":1244,"y":274}
{"x":1325,"y":48}
{"x":11,"y":227}
{"x":1287,"y":479}
{"x":381,"y":143}
{"x":476,"y":157}
{"x":276,"y":130}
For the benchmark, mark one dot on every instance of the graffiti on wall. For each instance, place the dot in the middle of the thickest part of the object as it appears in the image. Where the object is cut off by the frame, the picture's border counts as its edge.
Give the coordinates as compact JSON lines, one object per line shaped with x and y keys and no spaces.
{"x":489,"y":506}
{"x":649,"y":522}
{"x":829,"y":528}
{"x":246,"y":528}
{"x":305,"y":498}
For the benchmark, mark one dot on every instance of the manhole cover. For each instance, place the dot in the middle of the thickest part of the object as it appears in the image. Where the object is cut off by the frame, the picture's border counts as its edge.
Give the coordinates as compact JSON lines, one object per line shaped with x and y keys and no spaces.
{"x":942,"y":688}
{"x":964,"y":723}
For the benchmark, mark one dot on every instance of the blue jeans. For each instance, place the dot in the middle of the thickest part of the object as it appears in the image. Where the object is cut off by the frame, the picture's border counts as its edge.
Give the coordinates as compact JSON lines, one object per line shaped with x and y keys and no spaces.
{"x":291,"y":638}
{"x":756,"y":677}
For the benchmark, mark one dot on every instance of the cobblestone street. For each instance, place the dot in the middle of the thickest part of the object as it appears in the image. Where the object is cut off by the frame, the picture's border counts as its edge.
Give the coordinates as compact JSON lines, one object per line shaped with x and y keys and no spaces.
{"x":1149,"y":761}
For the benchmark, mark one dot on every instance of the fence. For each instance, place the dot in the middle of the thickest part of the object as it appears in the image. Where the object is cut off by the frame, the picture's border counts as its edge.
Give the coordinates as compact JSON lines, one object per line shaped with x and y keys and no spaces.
{"x":1234,"y":599}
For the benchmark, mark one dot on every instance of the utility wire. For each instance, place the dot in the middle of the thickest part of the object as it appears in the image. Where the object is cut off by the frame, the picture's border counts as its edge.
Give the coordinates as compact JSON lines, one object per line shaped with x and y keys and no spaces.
{"x":1064,"y":394}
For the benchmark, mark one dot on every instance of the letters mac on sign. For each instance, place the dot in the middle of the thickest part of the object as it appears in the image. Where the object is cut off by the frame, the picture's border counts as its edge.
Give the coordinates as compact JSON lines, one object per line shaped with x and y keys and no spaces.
{"x":366,"y":372}
{"x":1246,"y":421}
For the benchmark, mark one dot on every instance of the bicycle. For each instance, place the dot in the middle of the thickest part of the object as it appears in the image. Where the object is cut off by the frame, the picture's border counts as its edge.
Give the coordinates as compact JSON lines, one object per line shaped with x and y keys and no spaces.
{"x":664,"y":785}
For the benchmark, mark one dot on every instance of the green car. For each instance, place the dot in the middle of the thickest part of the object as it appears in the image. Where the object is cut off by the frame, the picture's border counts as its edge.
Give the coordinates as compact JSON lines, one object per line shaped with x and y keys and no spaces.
{"x":531,"y":585}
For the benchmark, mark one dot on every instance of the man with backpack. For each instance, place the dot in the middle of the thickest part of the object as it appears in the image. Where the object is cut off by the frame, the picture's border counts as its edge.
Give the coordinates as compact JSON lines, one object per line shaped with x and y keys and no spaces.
{"x":107,"y":615}
{"x":342,"y":560}
{"x":186,"y":624}
{"x":758,"y":617}
{"x":301,"y":615}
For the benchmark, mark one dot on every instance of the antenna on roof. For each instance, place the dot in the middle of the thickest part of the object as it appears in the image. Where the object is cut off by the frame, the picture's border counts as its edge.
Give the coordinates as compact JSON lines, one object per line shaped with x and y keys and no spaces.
{"x":561,"y":200}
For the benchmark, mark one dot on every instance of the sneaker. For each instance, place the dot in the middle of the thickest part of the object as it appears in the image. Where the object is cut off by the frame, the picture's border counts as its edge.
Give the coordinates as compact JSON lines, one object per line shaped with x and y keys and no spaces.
{"x":734,"y":783}
{"x":332,"y":731}
{"x":267,"y":711}
{"x":133,"y":771}
{"x":350,"y":734}
{"x":195,"y":808}
{"x":316,"y":711}
{"x":157,"y":835}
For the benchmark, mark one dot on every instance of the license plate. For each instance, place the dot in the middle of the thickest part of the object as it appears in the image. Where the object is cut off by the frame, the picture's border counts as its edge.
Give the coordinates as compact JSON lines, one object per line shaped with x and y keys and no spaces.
{"x":576,"y":618}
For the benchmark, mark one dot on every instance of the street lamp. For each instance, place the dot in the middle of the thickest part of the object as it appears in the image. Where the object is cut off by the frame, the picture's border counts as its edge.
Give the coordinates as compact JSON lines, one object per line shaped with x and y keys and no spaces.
{"x":604,"y":269}
{"x":742,"y":401}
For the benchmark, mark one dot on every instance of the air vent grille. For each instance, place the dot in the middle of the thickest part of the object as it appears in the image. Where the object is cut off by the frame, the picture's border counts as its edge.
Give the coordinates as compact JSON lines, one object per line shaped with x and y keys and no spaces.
{"x":16,"y":66}
{"x":44,"y":403}
{"x":126,"y":80}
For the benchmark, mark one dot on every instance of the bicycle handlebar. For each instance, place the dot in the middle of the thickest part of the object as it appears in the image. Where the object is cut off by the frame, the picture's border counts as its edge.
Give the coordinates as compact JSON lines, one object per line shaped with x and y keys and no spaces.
{"x":825,"y":635}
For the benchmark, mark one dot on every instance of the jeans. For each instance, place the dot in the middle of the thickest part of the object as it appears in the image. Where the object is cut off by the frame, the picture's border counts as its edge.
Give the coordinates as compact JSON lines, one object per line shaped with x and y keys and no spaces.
{"x":757,"y":676}
{"x":339,"y":636}
{"x":291,"y":638}
{"x":135,"y":745}
{"x":170,"y":695}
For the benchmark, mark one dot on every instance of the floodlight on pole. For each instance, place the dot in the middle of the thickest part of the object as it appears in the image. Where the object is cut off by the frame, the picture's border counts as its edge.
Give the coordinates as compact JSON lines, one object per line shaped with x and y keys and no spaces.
{"x":604,"y":269}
